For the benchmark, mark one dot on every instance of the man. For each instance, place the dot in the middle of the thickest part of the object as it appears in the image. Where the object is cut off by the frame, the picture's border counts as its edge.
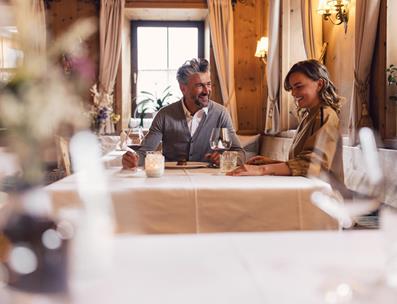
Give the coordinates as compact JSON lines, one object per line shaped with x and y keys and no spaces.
{"x":184,"y":127}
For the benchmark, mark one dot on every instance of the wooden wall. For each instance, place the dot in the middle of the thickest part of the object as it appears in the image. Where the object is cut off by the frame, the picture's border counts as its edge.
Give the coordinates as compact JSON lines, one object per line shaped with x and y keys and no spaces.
{"x":62,"y":14}
{"x":250,"y":23}
{"x":339,"y":60}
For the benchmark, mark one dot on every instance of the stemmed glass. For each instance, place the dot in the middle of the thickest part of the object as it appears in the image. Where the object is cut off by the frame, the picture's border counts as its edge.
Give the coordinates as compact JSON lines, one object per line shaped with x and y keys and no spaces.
{"x":346,"y":206}
{"x":220,"y":139}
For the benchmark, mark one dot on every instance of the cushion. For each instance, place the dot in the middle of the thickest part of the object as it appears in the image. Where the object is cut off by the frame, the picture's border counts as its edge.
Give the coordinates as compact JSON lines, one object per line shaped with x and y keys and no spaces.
{"x":250,"y":144}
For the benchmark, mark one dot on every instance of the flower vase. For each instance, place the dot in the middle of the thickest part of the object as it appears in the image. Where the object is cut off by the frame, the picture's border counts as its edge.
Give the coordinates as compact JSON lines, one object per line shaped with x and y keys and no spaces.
{"x":36,"y":253}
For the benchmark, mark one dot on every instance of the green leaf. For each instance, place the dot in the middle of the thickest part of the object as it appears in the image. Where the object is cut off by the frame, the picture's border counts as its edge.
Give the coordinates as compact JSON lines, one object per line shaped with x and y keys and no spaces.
{"x":148,"y":93}
{"x":166,"y":89}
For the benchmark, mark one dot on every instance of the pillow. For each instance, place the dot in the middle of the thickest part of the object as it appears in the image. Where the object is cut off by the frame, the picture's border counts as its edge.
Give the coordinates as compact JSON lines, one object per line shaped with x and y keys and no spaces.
{"x":250,"y":144}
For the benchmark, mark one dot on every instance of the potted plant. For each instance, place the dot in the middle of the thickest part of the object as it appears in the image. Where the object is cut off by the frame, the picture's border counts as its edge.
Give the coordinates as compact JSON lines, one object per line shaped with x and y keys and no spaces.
{"x":151,"y":102}
{"x":392,"y":79}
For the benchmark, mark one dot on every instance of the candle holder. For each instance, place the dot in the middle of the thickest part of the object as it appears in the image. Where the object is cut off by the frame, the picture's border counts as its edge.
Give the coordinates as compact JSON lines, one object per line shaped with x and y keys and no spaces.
{"x":154,"y":164}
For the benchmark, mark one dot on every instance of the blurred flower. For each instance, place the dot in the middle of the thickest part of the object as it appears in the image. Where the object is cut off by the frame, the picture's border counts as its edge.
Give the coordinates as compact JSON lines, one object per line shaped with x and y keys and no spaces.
{"x":41,"y":96}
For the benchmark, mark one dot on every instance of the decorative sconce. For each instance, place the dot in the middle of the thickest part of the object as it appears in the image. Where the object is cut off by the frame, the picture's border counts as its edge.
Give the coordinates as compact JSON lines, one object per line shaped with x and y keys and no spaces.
{"x":261,"y":49}
{"x":337,"y":7}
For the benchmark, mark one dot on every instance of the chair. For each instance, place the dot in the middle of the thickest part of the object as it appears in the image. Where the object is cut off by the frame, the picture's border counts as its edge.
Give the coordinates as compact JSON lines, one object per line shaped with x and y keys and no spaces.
{"x":63,"y":155}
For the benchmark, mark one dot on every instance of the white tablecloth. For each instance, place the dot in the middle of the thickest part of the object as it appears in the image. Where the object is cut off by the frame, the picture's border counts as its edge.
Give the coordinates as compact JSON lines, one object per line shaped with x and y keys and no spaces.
{"x":255,"y":268}
{"x":202,"y":200}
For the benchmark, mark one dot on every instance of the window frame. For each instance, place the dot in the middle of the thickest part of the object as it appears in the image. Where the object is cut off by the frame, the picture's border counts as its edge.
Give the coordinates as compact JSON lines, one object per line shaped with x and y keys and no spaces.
{"x":158,"y":23}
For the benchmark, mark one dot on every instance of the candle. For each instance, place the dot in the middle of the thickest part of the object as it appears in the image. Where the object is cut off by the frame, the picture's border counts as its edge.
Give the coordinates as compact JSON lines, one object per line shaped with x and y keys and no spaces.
{"x":154,"y":164}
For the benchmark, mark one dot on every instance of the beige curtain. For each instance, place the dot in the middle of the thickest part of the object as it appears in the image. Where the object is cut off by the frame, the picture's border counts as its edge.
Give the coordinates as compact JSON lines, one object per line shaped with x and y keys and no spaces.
{"x":221,"y":27}
{"x":312,"y":29}
{"x":38,"y":9}
{"x":110,"y":25}
{"x":272,"y":123}
{"x":32,"y":40}
{"x":367,"y":13}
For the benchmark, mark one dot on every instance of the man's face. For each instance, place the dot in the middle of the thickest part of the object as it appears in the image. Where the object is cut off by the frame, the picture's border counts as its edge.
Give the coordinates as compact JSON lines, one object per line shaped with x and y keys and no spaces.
{"x":198,"y":89}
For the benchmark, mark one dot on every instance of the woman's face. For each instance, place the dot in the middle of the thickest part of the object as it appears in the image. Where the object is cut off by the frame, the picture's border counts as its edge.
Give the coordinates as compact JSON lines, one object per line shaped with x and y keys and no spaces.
{"x":305,"y":90}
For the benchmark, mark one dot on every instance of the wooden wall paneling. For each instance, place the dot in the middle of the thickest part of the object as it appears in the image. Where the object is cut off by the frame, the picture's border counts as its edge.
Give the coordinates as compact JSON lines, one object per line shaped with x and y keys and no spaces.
{"x":63,"y":14}
{"x":339,"y":60}
{"x":247,"y":68}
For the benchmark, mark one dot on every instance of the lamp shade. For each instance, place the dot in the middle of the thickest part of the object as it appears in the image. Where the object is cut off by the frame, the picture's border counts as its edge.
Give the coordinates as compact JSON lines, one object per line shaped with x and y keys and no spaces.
{"x":262,"y":47}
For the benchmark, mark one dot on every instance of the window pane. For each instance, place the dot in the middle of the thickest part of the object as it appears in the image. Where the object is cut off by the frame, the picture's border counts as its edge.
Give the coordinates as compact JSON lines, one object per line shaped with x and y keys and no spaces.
{"x":156,"y":82}
{"x":152,"y":48}
{"x":183,"y":45}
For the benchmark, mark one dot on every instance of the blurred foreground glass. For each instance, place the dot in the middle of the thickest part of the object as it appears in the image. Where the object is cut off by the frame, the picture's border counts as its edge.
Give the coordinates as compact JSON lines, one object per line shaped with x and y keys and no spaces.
{"x":346,"y":205}
{"x":388,"y":224}
{"x":154,"y":164}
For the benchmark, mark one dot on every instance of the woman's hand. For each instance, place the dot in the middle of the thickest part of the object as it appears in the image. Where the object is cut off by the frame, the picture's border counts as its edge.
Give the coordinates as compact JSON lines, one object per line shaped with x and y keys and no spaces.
{"x":261,"y":160}
{"x":247,"y":170}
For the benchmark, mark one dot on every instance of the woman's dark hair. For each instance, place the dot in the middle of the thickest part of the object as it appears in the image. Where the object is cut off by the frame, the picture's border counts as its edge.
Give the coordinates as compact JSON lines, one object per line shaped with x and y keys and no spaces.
{"x":315,"y":70}
{"x":191,"y":67}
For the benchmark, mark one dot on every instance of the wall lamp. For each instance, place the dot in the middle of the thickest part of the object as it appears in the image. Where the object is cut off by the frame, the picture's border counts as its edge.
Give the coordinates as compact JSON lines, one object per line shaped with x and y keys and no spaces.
{"x":262,"y":47}
{"x":338,"y":7}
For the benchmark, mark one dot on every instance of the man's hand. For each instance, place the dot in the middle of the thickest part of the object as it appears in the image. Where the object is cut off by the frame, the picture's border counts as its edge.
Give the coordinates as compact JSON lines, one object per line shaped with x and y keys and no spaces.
{"x":261,"y":160}
{"x":130,"y":160}
{"x":213,"y":157}
{"x":246,"y":170}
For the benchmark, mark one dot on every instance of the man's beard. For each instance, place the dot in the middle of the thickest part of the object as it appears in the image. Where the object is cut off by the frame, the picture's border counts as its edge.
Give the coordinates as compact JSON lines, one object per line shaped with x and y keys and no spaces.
{"x":197,"y":100}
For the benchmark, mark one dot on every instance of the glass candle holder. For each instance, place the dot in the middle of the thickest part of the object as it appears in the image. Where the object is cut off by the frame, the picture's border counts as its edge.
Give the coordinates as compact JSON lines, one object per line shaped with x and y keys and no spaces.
{"x":228,"y":161}
{"x":154,"y":164}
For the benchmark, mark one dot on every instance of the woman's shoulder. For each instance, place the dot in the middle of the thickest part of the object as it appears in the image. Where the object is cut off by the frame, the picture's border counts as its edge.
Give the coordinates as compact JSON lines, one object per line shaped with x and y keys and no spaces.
{"x":329,"y":111}
{"x":327,"y":115}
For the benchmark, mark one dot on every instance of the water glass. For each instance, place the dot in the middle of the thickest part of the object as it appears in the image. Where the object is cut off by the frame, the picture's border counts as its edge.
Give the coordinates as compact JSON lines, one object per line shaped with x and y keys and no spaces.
{"x":228,"y":161}
{"x":154,"y":164}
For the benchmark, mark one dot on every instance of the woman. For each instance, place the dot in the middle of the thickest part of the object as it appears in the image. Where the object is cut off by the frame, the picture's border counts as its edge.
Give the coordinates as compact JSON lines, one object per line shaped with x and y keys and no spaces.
{"x":317,"y":145}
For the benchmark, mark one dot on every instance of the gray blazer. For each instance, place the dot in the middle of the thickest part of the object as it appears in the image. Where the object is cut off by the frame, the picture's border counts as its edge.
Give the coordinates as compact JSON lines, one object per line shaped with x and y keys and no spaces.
{"x":170,"y":127}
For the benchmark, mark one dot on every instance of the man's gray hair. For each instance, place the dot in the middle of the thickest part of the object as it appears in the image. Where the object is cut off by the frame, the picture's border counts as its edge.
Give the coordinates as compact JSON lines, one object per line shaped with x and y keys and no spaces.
{"x":191,"y":67}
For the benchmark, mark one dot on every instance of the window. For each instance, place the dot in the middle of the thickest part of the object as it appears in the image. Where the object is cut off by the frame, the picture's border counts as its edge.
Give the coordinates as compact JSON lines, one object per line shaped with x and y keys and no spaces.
{"x":158,"y":50}
{"x":10,"y":55}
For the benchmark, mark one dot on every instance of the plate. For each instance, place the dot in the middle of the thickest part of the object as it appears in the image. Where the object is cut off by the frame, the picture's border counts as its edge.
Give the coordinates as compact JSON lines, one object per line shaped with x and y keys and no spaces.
{"x":188,"y":165}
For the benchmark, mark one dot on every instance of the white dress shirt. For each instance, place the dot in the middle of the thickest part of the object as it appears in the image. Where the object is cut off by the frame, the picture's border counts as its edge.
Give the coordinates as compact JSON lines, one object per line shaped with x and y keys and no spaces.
{"x":194,"y":120}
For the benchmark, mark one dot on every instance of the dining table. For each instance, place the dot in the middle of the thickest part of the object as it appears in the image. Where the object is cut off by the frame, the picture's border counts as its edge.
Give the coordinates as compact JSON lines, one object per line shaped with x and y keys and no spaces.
{"x":201,"y":200}
{"x":309,"y":267}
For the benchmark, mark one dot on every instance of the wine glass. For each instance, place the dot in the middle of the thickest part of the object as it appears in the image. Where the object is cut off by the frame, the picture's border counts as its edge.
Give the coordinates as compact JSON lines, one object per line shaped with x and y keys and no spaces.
{"x":346,"y":205}
{"x":220,"y":139}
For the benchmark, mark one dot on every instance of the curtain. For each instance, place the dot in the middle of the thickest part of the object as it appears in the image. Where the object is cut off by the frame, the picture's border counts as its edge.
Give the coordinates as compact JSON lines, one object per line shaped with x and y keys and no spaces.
{"x":32,"y":40}
{"x":272,"y":123}
{"x":110,"y":26}
{"x":367,"y":13}
{"x":221,"y":28}
{"x":312,"y":29}
{"x":38,"y":10}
